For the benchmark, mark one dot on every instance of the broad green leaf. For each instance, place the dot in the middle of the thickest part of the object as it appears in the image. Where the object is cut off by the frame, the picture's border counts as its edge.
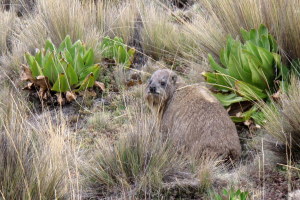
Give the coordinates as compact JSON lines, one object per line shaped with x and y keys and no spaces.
{"x":118,"y":40}
{"x":76,"y":49}
{"x":267,"y":59}
{"x":273,"y":44}
{"x":71,"y":74}
{"x":29,"y":59}
{"x":49,"y":46}
{"x":220,"y":81}
{"x":61,"y":84}
{"x":265,"y":43}
{"x":107,"y":47}
{"x":89,"y":81}
{"x":235,"y":68}
{"x":121,"y":55}
{"x":61,"y":66}
{"x":258,"y":77}
{"x":229,"y":44}
{"x":79,"y":65}
{"x":68,"y":42}
{"x":240,"y":119}
{"x":50,"y":70}
{"x":254,"y":36}
{"x":45,"y":58}
{"x":251,"y":56}
{"x":249,"y":91}
{"x":225,"y":192}
{"x":245,"y":34}
{"x":253,"y":113}
{"x":131,"y":52}
{"x":95,"y":69}
{"x":246,"y":67}
{"x":61,"y":47}
{"x":223,"y":57}
{"x":39,"y":58}
{"x":228,"y":99}
{"x":77,"y":44}
{"x":263,"y":30}
{"x":253,"y":49}
{"x":68,"y":56}
{"x":216,"y":66}
{"x":88,"y":58}
{"x":36,"y":69}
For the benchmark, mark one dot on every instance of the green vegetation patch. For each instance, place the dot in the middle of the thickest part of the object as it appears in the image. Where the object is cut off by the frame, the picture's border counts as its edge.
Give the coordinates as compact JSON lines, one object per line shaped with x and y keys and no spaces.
{"x":249,"y":71}
{"x":68,"y":69}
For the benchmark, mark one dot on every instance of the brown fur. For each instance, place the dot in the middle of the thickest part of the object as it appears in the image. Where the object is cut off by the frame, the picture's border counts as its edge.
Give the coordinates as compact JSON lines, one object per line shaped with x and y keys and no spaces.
{"x":192,"y":116}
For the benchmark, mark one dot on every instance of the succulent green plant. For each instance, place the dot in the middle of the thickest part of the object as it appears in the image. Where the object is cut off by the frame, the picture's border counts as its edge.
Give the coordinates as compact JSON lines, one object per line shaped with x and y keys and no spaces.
{"x":231,"y":195}
{"x":68,"y":68}
{"x":116,"y":49}
{"x":248,"y":71}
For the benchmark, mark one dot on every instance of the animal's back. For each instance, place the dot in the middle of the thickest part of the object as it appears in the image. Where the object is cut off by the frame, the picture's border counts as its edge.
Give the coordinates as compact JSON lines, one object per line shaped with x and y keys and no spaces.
{"x":196,"y":119}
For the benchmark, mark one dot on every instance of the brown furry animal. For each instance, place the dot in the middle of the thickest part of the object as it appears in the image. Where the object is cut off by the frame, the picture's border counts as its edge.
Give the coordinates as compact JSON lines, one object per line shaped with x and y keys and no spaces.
{"x":192,"y":116}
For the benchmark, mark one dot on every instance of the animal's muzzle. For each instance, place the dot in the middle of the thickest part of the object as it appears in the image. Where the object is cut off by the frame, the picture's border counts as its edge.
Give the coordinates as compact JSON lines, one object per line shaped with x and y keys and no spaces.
{"x":152,"y":89}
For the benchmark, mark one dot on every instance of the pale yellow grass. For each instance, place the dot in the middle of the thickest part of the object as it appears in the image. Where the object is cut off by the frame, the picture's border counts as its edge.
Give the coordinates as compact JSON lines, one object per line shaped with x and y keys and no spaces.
{"x":283,"y":121}
{"x":215,"y":20}
{"x":8,"y":19}
{"x":142,"y":163}
{"x":36,"y":157}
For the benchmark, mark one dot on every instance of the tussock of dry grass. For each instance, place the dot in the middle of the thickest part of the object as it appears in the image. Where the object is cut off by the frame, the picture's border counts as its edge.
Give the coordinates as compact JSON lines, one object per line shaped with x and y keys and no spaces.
{"x":7,"y":22}
{"x":163,"y":36}
{"x":34,"y":154}
{"x":283,"y":121}
{"x":142,"y":162}
{"x":217,"y":19}
{"x":101,"y":121}
{"x":52,"y":19}
{"x":61,"y":18}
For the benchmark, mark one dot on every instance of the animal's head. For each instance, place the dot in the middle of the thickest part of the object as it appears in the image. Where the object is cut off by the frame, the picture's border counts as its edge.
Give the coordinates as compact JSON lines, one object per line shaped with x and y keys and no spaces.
{"x":161,"y":87}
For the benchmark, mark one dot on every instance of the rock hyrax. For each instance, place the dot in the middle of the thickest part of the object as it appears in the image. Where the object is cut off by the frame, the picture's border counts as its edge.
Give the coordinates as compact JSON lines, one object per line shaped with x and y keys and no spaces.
{"x":191,"y":115}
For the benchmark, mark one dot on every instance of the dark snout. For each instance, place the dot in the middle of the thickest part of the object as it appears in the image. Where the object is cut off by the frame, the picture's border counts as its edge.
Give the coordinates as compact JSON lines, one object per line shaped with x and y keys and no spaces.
{"x":152,"y":89}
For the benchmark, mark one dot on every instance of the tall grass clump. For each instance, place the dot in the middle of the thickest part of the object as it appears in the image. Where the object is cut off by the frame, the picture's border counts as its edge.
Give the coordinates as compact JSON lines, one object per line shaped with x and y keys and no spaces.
{"x":222,"y":18}
{"x":142,"y":163}
{"x":51,"y":19}
{"x":7,"y":22}
{"x":32,"y":153}
{"x":283,"y":122}
{"x":62,"y":18}
{"x":116,"y":19}
{"x":163,"y":37}
{"x":139,"y":161}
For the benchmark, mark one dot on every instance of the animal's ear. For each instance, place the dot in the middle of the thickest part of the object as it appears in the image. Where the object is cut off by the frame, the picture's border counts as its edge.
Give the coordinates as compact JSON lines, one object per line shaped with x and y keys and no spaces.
{"x":174,"y":78}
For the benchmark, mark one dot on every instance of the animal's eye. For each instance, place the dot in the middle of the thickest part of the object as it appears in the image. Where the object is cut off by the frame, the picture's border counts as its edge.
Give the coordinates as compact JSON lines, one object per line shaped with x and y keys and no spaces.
{"x":163,"y":83}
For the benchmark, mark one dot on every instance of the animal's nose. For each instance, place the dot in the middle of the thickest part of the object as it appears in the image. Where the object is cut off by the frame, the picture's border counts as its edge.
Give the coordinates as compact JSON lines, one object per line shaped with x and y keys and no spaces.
{"x":152,"y":89}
